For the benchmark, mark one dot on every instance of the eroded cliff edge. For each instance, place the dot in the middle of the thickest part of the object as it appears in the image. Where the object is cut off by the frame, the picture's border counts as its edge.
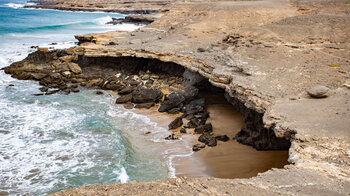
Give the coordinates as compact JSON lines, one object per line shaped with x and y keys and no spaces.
{"x":265,"y":54}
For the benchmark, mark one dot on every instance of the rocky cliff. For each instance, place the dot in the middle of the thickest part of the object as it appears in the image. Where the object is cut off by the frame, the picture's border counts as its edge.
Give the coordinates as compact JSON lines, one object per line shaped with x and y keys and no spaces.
{"x":266,"y":55}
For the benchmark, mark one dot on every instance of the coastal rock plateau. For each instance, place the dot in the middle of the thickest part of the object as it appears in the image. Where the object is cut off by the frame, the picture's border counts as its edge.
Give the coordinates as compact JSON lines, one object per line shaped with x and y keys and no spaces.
{"x":265,"y":55}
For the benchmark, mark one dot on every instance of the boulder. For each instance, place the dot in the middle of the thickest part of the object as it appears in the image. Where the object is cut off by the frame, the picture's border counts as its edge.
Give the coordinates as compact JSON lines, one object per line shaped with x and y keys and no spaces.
{"x":52,"y":92}
{"x":124,"y":99}
{"x":171,"y":101}
{"x":175,"y":123}
{"x":144,"y":95}
{"x":171,"y":137}
{"x":319,"y":91}
{"x":183,"y":130}
{"x":94,"y":82}
{"x":75,"y":90}
{"x":74,"y":68}
{"x":38,"y":94}
{"x":74,"y":86}
{"x":62,"y":86}
{"x":38,"y":76}
{"x":126,"y":90}
{"x":128,"y":106}
{"x":66,"y":91}
{"x":208,"y":139}
{"x":174,"y":111}
{"x":198,"y":147}
{"x":99,"y":93}
{"x":207,"y":128}
{"x":44,"y":89}
{"x":193,"y":123}
{"x":66,"y":58}
{"x":223,"y":138}
{"x":191,"y":78}
{"x":190,"y":93}
{"x":133,"y":82}
{"x":194,"y":110}
{"x":197,"y":102}
{"x":200,"y":49}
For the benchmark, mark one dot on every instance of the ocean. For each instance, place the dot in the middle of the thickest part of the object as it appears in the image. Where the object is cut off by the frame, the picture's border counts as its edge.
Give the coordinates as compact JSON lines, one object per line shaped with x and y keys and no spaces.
{"x":51,"y":143}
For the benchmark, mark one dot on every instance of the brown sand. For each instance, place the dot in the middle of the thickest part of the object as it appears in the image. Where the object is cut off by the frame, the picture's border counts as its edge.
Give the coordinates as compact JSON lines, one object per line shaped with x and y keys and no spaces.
{"x":228,"y":159}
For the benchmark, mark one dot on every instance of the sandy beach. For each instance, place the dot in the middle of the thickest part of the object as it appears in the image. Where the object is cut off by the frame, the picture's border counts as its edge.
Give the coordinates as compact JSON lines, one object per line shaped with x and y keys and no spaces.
{"x":226,"y":160}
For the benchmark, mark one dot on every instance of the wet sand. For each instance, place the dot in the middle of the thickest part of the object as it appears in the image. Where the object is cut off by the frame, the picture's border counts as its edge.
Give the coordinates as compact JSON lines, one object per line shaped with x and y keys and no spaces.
{"x":231,"y":159}
{"x":226,"y":160}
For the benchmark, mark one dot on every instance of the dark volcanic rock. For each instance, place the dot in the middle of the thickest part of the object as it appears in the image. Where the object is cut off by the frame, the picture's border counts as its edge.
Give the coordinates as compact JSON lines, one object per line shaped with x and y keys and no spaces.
{"x":144,"y":95}
{"x":194,"y":110}
{"x":171,"y":137}
{"x":190,"y":93}
{"x":144,"y":105}
{"x":126,"y":90}
{"x":171,"y":101}
{"x":174,"y":111}
{"x":176,"y":123}
{"x":99,"y":93}
{"x":198,"y":147}
{"x":183,"y":130}
{"x":133,"y":19}
{"x":75,"y":90}
{"x":193,"y":123}
{"x":174,"y":99}
{"x":197,"y":102}
{"x":223,"y":138}
{"x":124,"y":99}
{"x":112,"y":86}
{"x":207,"y":128}
{"x":128,"y":106}
{"x":66,"y":91}
{"x":52,"y":92}
{"x":254,"y":132}
{"x":44,"y":89}
{"x":208,"y":139}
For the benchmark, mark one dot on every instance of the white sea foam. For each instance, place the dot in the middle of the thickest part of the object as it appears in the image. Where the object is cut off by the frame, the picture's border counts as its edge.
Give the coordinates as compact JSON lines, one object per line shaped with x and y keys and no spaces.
{"x":127,"y":27}
{"x":123,"y":176}
{"x":30,"y":4}
{"x":3,"y":62}
{"x":103,"y":20}
{"x":173,"y":149}
{"x":172,"y":170}
{"x":44,"y":146}
{"x":14,"y":5}
{"x":59,"y":45}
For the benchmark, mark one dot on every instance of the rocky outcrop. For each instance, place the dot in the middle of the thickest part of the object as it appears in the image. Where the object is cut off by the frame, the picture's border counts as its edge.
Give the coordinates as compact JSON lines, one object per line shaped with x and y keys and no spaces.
{"x":134,"y":19}
{"x":54,"y":69}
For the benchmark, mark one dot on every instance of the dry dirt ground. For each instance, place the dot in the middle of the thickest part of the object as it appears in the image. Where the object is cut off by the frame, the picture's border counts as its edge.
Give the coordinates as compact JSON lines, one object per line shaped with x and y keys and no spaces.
{"x":266,"y":54}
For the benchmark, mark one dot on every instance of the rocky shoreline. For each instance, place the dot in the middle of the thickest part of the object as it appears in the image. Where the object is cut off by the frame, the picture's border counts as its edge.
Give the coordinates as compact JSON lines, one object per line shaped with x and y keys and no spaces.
{"x":139,"y":85}
{"x":266,"y":60}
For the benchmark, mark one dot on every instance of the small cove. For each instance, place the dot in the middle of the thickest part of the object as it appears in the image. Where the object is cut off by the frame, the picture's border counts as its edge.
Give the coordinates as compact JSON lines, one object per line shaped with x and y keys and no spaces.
{"x":57,"y":142}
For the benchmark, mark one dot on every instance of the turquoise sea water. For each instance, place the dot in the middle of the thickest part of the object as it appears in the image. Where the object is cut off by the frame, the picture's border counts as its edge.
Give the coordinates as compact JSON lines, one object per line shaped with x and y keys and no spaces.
{"x":50,"y":143}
